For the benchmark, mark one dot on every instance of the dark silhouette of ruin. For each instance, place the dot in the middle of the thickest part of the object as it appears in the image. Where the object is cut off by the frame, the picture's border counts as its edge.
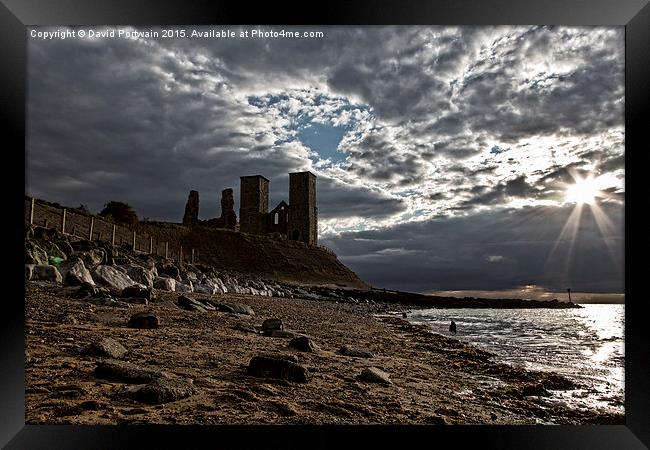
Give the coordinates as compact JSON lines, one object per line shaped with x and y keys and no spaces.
{"x":296,"y":220}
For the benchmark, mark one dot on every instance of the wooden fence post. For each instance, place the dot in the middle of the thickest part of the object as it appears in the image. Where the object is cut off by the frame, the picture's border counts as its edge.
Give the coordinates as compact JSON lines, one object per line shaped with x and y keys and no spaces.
{"x":63,"y":221}
{"x":31,"y":211}
{"x":192,"y":260}
{"x":113,"y":236}
{"x":180,"y":254}
{"x":92,"y":225}
{"x":134,"y":241}
{"x":45,"y":223}
{"x":150,"y":245}
{"x":166,"y":249}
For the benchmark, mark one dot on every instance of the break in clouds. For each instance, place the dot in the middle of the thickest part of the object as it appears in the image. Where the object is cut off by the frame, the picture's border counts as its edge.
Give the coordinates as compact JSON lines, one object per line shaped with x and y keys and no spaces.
{"x":442,"y":153}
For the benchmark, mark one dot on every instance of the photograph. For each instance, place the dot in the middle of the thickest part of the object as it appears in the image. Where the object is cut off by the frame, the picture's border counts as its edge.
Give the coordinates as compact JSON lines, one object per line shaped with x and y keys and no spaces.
{"x":375,"y":222}
{"x":325,"y":225}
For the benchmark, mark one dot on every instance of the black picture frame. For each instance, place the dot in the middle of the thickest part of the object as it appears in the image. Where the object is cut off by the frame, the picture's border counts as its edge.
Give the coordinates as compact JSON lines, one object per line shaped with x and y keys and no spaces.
{"x":17,"y":15}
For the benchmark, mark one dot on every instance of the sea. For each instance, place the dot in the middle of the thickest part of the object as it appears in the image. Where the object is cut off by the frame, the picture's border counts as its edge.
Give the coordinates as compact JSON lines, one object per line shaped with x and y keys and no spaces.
{"x":587,"y":345}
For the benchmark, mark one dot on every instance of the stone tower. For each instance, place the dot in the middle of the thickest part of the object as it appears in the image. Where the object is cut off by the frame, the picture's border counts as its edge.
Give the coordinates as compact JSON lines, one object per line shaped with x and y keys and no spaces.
{"x":253,"y":204}
{"x":228,"y":217}
{"x":303,"y":214}
{"x":191,"y":216}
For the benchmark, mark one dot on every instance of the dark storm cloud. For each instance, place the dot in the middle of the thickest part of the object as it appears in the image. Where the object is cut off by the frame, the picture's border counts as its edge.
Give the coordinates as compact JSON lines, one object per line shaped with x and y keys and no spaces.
{"x":170,"y":107}
{"x":118,"y":121}
{"x":564,"y":174}
{"x":611,"y":164}
{"x":490,"y":250}
{"x":404,"y":167}
{"x":515,"y":188}
{"x":583,"y":100}
{"x":337,"y":200}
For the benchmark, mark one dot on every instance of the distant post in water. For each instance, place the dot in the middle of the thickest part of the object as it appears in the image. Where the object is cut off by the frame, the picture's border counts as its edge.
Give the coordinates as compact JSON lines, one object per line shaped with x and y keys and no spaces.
{"x":92,"y":225}
{"x":134,"y":241}
{"x":166,"y":249}
{"x":569,"y":291}
{"x":113,"y":236}
{"x":63,"y":221}
{"x":31,"y":211}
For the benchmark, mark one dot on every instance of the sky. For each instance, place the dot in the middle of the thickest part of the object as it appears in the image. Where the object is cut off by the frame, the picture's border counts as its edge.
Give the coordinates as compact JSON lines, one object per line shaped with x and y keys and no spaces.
{"x":448,"y":158}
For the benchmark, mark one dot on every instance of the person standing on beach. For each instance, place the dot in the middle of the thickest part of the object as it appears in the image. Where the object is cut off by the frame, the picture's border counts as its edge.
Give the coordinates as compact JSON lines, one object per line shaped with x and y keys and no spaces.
{"x":452,"y":327}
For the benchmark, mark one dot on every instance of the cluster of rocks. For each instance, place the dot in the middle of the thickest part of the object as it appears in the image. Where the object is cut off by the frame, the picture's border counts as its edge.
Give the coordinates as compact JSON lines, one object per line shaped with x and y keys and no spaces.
{"x":70,"y":260}
{"x":116,"y":276}
{"x":155,"y":387}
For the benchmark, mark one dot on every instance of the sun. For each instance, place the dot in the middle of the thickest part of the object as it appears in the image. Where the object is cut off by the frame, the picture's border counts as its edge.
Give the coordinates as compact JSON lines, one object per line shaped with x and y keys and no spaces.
{"x":583,"y":191}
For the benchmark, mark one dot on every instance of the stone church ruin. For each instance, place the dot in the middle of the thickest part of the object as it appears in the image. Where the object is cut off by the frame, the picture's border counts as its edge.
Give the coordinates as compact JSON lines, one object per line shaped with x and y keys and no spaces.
{"x":296,"y":220}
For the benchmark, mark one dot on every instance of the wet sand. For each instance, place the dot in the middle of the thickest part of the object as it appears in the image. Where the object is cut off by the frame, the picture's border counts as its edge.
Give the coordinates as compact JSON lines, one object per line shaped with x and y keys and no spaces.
{"x":434,"y":379}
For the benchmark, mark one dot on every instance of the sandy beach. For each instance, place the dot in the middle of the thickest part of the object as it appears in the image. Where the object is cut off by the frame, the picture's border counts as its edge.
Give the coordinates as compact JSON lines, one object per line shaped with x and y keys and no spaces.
{"x":433,"y":379}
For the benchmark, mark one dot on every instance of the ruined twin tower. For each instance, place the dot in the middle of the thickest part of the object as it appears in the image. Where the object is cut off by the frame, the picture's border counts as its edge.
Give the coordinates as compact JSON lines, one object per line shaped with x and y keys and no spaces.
{"x":297,"y":220}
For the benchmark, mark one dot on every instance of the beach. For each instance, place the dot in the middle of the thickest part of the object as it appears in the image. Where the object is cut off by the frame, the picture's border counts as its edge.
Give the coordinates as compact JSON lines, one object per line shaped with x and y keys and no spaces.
{"x":431,"y":378}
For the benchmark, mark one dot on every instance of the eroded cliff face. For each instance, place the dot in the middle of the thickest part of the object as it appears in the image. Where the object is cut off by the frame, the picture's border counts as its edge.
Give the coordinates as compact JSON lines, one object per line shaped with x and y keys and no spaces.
{"x":279,"y":259}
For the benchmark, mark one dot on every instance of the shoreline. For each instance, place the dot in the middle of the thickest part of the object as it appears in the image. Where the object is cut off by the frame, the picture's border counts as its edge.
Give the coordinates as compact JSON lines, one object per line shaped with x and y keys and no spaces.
{"x":433,"y":379}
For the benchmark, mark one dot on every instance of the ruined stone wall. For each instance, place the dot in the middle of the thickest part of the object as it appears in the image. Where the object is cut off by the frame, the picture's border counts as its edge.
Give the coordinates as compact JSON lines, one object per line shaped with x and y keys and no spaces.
{"x":254,"y":204}
{"x":277,"y":219}
{"x":191,"y":216}
{"x":228,"y":217}
{"x":303,"y":225}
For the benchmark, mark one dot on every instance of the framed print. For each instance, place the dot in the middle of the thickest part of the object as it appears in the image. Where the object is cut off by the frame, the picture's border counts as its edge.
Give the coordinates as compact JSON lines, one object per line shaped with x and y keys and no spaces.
{"x":374,"y":220}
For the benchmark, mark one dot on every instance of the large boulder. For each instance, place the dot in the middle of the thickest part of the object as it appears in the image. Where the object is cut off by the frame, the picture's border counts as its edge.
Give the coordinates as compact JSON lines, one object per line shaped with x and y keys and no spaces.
{"x":110,"y":253}
{"x":191,"y":304}
{"x":163,"y":390}
{"x":235,"y":308}
{"x":108,"y":347}
{"x":184,"y":288}
{"x":272,"y":324}
{"x":53,"y":250}
{"x":34,"y":254}
{"x":65,"y":247}
{"x":125,"y":372}
{"x":89,"y":290}
{"x":374,"y":375}
{"x":144,"y":320}
{"x":204,"y":288}
{"x":140,"y":274}
{"x":355,"y":352}
{"x":273,"y":367}
{"x":219,"y":285}
{"x":164,"y":283}
{"x":46,"y":273}
{"x":93,"y":257}
{"x":77,"y":274}
{"x":138,"y":292}
{"x":170,"y":270}
{"x":112,"y":277}
{"x":302,"y":343}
